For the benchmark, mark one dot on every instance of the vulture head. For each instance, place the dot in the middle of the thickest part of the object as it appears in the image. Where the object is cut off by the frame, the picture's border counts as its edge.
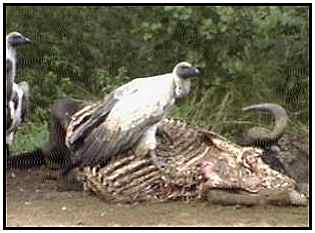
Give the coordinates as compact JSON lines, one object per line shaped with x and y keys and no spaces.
{"x":182,"y":72}
{"x":14,"y":39}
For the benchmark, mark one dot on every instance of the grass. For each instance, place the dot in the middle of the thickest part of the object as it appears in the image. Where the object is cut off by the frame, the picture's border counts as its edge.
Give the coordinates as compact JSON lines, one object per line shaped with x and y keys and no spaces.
{"x":220,"y":119}
{"x":30,"y":136}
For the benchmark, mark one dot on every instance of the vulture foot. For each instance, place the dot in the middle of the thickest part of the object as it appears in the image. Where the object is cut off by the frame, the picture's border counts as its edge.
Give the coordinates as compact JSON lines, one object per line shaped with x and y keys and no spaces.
{"x":69,"y":183}
{"x":160,"y":164}
{"x":164,"y":135}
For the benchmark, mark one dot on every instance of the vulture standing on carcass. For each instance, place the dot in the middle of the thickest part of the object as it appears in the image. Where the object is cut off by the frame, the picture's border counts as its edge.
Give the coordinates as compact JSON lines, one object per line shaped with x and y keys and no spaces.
{"x":17,"y":95}
{"x":127,"y":119}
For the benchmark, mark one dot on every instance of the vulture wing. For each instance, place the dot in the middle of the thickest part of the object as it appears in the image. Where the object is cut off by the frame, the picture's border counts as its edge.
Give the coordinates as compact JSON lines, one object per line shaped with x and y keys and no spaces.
{"x":100,"y":131}
{"x":9,"y":87}
{"x":106,"y":141}
{"x":25,"y":99}
{"x":61,"y":114}
{"x":87,"y":119}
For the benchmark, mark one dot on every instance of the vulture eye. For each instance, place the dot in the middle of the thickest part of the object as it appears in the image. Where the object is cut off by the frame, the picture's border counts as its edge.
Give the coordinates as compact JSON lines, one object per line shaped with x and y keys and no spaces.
{"x":185,"y":67}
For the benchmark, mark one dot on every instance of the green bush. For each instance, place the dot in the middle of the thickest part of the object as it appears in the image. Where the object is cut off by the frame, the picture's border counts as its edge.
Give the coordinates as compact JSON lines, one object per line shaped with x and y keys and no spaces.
{"x":248,"y":55}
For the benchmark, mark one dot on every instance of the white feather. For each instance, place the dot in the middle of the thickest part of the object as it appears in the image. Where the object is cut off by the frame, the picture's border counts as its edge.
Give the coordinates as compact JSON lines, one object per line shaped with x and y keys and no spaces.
{"x":15,"y":113}
{"x":11,"y":55}
{"x":143,"y":98}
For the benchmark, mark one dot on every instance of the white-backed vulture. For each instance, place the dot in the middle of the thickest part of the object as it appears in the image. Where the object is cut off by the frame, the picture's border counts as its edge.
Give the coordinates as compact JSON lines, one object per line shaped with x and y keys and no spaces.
{"x":128,"y":118}
{"x":13,"y":40}
{"x":17,"y":95}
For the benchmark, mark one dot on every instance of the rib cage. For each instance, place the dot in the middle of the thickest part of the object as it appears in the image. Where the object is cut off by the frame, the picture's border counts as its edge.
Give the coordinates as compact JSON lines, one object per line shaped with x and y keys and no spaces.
{"x":129,"y":178}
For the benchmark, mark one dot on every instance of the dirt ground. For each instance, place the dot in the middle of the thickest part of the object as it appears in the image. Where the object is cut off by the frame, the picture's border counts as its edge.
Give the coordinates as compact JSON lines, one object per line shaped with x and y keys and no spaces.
{"x":33,"y":200}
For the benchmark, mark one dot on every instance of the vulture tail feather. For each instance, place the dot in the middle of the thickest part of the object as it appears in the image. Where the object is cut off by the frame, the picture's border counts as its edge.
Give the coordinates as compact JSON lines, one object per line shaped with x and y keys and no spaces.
{"x":26,"y":160}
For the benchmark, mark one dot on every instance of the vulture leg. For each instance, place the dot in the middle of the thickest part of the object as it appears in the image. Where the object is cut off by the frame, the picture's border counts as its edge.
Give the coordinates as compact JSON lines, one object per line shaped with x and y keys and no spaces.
{"x":166,"y":170}
{"x":69,"y":183}
{"x":159,"y":163}
{"x":7,"y":151}
{"x":163,"y":134}
{"x":69,"y":167}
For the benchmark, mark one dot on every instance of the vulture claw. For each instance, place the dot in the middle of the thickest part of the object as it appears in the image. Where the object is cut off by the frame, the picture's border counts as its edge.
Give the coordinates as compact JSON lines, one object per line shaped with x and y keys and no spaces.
{"x":159,"y":163}
{"x":163,"y":134}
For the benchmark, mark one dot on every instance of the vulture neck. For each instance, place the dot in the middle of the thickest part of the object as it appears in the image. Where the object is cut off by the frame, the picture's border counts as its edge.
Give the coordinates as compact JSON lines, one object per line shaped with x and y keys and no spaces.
{"x":11,"y":54}
{"x":181,"y":86}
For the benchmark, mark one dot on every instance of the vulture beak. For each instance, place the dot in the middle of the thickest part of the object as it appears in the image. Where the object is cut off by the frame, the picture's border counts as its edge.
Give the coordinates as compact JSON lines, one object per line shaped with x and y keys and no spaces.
{"x":185,"y":70}
{"x":191,"y":72}
{"x":27,"y":40}
{"x":195,"y":72}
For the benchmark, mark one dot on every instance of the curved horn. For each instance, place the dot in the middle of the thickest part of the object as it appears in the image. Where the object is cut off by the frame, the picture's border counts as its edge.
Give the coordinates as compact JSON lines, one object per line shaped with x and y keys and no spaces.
{"x":263,"y":136}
